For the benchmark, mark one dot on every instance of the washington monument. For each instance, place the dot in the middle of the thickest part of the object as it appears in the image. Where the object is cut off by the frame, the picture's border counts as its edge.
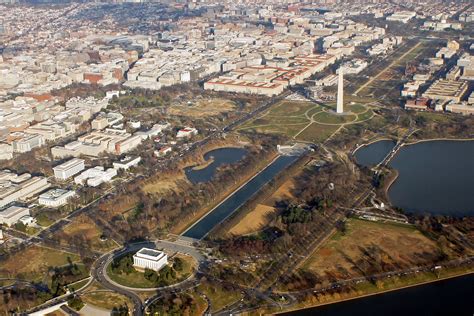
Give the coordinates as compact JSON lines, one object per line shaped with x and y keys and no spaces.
{"x":340,"y":92}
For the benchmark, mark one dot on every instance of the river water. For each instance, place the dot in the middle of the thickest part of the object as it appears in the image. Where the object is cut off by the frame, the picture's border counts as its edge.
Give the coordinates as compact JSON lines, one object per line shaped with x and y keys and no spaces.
{"x":238,"y":198}
{"x":435,"y":177}
{"x":452,"y":297}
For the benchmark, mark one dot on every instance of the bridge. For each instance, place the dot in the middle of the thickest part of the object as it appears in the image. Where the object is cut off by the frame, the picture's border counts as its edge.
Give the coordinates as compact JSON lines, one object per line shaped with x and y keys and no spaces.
{"x":400,"y":143}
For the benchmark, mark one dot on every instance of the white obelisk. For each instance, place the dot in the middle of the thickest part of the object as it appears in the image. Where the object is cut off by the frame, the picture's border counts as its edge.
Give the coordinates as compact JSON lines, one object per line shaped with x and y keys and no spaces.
{"x":340,"y":92}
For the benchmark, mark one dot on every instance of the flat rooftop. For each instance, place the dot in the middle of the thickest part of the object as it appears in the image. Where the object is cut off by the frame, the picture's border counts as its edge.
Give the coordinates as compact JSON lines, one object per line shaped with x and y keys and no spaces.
{"x":150,"y":254}
{"x":12,"y":211}
{"x":69,"y":164}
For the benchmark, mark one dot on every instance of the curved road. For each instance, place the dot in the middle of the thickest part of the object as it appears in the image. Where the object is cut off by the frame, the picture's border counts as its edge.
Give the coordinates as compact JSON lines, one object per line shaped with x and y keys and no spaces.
{"x":99,"y":272}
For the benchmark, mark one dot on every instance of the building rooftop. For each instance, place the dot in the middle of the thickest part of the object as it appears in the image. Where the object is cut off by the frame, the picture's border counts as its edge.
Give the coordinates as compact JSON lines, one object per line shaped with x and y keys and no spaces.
{"x":150,"y":254}
{"x":12,"y":211}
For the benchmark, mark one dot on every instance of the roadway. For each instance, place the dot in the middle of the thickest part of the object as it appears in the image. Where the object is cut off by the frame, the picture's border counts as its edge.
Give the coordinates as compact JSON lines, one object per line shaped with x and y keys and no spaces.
{"x":99,"y":271}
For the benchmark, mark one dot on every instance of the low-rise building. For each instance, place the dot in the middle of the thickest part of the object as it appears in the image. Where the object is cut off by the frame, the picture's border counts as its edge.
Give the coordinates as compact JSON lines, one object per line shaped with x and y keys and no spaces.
{"x":127,"y":162}
{"x":147,"y":258}
{"x":186,"y":132}
{"x":163,"y":151}
{"x":11,"y":215}
{"x":461,"y":108}
{"x":420,"y":104}
{"x":94,"y":177}
{"x":55,"y":197}
{"x":6,"y":151}
{"x":401,"y":16}
{"x":68,"y":169}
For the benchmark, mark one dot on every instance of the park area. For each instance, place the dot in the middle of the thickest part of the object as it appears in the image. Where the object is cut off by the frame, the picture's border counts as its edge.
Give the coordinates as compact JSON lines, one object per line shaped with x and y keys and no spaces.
{"x":96,"y":295}
{"x":202,"y":108}
{"x":370,"y":247}
{"x":179,"y":268}
{"x":385,"y":79}
{"x":308,"y":121}
{"x":85,"y":230}
{"x":34,"y":262}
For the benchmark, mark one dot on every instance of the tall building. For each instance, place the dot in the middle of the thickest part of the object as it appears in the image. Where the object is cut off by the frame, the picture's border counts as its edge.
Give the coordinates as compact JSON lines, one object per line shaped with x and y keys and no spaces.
{"x":340,"y":92}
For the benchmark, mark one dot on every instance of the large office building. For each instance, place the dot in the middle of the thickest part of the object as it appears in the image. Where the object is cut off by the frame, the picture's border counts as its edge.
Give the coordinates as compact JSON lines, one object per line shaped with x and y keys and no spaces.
{"x":27,"y":142}
{"x":147,"y":258}
{"x":55,"y":197}
{"x":93,"y":144}
{"x":68,"y":169}
{"x":447,"y":90}
{"x":11,"y":215}
{"x":15,"y":187}
{"x":127,"y":162}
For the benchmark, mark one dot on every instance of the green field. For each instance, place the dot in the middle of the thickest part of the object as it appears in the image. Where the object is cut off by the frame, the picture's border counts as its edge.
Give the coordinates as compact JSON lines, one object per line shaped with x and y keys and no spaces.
{"x":331,"y":118}
{"x":307,"y":121}
{"x":317,"y":133}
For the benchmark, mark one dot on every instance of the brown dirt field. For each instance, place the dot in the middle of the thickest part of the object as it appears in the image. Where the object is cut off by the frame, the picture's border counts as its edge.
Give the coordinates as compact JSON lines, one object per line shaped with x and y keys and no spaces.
{"x":283,"y":192}
{"x":253,"y":221}
{"x":107,"y":300}
{"x":398,"y":245}
{"x":164,"y":184}
{"x":84,"y":226}
{"x":33,"y":262}
{"x":203,"y":108}
{"x":55,"y":313}
{"x":103,"y":299}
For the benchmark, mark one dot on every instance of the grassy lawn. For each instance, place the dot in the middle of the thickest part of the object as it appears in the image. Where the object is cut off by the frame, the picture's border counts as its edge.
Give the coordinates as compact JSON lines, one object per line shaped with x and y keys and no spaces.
{"x":78,"y":285}
{"x":218,"y":295}
{"x":286,"y":118}
{"x":291,"y":117}
{"x":133,"y":279}
{"x":356,"y":108}
{"x":314,"y":110}
{"x":435,"y":117}
{"x":107,"y":300}
{"x":289,"y":130}
{"x":85,"y":227}
{"x":164,"y":183}
{"x":365,"y":116}
{"x":394,"y":244}
{"x":33,"y":262}
{"x":43,"y":220}
{"x":317,"y":133}
{"x":291,"y":108}
{"x":330,"y":118}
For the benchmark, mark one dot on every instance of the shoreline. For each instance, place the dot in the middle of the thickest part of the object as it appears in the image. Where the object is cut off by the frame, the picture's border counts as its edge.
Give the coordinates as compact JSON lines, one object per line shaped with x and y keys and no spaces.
{"x":370,"y":143}
{"x":204,"y":165}
{"x":394,"y":174}
{"x":378,"y":293}
{"x":438,"y":139}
